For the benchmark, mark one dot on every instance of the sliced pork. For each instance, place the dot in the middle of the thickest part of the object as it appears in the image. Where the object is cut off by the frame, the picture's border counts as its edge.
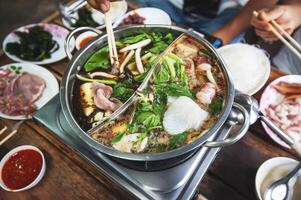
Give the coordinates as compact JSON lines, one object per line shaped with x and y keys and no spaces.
{"x":31,"y":86}
{"x":102,"y":94}
{"x":287,"y":114}
{"x":19,"y":92}
{"x":206,"y":93}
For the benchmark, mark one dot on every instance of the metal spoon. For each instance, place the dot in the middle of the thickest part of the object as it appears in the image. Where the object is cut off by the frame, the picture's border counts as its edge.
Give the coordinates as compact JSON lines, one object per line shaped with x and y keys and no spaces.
{"x":282,"y":189}
{"x":255,"y":113}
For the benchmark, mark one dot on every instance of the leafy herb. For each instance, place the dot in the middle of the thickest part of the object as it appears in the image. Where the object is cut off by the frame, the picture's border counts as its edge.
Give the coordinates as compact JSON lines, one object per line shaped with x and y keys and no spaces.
{"x":140,"y":138}
{"x":174,"y":89}
{"x":176,"y":141}
{"x":85,"y":19}
{"x":99,"y":59}
{"x":35,"y":45}
{"x":216,"y":106}
{"x":117,"y":138}
{"x":122,"y":91}
{"x":16,"y":69}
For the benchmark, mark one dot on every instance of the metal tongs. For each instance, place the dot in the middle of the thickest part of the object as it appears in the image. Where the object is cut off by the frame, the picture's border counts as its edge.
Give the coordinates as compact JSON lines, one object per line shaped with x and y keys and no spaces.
{"x":139,"y":90}
{"x":68,"y":10}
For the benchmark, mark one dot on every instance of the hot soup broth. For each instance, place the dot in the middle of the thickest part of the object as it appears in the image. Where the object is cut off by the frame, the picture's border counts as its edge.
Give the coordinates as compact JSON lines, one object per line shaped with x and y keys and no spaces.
{"x":182,"y":102}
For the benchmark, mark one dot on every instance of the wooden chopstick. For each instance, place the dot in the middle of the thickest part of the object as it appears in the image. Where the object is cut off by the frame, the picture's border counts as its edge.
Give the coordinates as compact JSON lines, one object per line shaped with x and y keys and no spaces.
{"x":109,"y":37}
{"x":281,"y":38}
{"x":3,"y":130}
{"x":288,"y":36}
{"x":111,"y":40}
{"x":8,"y":136}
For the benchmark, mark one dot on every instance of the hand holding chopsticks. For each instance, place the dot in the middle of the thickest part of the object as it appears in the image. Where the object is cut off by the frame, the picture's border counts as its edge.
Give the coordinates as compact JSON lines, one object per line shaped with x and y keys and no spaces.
{"x":283,"y":36}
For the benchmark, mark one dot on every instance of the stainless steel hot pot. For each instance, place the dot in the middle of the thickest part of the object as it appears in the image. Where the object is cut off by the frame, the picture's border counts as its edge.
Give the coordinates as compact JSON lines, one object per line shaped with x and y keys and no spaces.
{"x":232,"y":114}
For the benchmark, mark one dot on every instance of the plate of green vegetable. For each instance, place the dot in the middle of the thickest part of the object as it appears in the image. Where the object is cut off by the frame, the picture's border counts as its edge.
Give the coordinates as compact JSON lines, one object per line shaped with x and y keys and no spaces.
{"x":90,"y":17}
{"x":36,"y":43}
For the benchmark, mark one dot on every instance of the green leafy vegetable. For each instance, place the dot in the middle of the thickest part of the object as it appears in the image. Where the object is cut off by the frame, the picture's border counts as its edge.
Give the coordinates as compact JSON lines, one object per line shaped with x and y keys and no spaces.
{"x":159,"y":105}
{"x":134,"y":39}
{"x":109,"y":82}
{"x":158,"y":47}
{"x":122,"y":91}
{"x":85,"y":19}
{"x":161,"y":75}
{"x":216,"y":106}
{"x":99,"y":59}
{"x":176,"y":141}
{"x":174,"y":89}
{"x":170,"y":64}
{"x":34,"y":45}
{"x":148,"y":119}
{"x":117,"y":138}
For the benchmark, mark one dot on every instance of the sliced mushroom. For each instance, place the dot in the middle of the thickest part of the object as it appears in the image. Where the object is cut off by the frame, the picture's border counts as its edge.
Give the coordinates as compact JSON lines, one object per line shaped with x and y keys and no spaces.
{"x":102,"y":74}
{"x":138,"y":60}
{"x":126,"y":60}
{"x":137,"y":45}
{"x":207,"y":67}
{"x":87,"y":98}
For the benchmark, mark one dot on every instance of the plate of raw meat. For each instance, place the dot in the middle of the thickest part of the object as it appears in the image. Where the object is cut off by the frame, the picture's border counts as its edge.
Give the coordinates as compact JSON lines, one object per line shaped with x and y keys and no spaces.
{"x":24,"y":88}
{"x":281,"y":102}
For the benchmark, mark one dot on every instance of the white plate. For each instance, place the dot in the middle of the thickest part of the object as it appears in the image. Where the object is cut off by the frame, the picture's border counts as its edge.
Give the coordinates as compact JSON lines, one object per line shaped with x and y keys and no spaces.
{"x":51,"y":89}
{"x":248,"y":80}
{"x":117,"y":10}
{"x":59,"y":34}
{"x":151,"y":15}
{"x":264,"y":170}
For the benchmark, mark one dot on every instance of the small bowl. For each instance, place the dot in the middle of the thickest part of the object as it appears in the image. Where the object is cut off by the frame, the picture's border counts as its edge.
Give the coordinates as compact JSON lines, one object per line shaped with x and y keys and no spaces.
{"x":37,"y":179}
{"x":264,"y":170}
{"x":85,"y":35}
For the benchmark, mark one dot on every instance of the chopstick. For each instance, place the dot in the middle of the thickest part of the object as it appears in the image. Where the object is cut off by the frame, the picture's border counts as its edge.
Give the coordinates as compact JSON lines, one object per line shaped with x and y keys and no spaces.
{"x":3,"y":130}
{"x":295,"y":47}
{"x":111,"y":40}
{"x":8,"y":137}
{"x":14,"y":130}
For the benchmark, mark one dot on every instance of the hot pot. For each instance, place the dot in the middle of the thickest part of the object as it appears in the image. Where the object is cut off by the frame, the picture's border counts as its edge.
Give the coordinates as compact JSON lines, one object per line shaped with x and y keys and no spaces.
{"x":232,"y":114}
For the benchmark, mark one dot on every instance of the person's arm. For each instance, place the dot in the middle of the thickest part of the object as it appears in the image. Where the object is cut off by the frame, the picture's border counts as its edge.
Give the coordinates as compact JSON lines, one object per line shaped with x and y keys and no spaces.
{"x":288,"y":16}
{"x":241,"y":22}
{"x":101,"y":5}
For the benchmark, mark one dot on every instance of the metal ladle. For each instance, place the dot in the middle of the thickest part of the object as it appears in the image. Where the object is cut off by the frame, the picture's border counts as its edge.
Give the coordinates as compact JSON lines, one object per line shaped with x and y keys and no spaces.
{"x":281,"y":189}
{"x":251,"y":104}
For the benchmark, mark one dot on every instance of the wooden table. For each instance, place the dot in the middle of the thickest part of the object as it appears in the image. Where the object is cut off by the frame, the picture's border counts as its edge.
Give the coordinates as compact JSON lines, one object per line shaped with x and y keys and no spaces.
{"x":68,"y":176}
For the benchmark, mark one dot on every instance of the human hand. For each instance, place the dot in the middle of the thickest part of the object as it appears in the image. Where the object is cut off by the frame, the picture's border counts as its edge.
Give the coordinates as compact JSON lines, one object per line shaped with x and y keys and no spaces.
{"x":287,"y":16}
{"x":102,"y":5}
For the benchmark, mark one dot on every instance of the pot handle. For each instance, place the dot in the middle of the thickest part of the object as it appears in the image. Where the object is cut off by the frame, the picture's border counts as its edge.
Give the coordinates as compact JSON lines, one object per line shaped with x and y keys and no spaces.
{"x":238,"y":115}
{"x":70,"y":36}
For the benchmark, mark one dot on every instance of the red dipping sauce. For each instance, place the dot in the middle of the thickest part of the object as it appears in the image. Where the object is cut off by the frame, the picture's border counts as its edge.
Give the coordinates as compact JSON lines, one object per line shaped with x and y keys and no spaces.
{"x":85,"y":41}
{"x":21,"y":169}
